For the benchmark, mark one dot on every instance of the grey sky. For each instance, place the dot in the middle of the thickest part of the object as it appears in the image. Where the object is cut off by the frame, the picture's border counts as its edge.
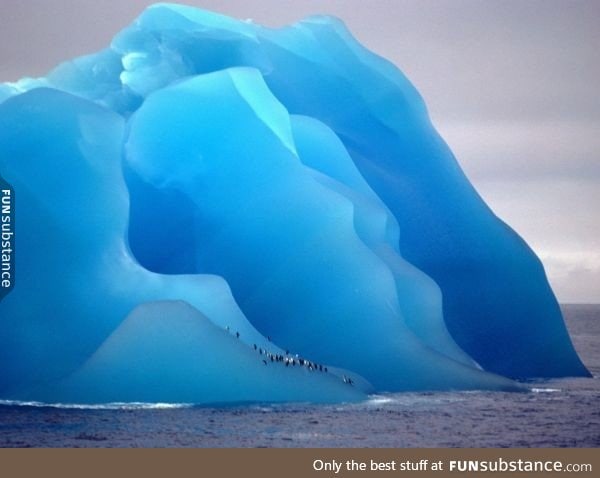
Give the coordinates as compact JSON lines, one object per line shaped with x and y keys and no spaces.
{"x":511,"y":85}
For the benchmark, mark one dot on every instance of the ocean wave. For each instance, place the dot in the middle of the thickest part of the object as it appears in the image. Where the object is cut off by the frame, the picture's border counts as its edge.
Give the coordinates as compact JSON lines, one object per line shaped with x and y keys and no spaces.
{"x":97,"y":406}
{"x":545,"y":390}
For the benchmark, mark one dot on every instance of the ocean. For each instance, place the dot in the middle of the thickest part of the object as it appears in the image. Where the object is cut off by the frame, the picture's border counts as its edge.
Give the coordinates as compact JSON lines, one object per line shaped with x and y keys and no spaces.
{"x":556,"y":413}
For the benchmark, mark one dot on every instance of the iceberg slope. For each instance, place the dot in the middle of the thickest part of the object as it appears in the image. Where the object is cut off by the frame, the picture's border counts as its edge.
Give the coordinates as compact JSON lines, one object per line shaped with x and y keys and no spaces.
{"x":498,"y":304}
{"x":168,"y":352}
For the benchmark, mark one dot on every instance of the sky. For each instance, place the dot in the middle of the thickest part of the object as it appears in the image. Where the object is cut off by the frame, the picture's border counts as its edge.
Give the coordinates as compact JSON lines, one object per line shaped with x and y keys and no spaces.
{"x":512,"y":86}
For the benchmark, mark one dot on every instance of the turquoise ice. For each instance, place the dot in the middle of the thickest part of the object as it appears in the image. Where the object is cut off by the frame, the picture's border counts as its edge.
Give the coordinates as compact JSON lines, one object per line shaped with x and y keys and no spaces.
{"x":204,"y":178}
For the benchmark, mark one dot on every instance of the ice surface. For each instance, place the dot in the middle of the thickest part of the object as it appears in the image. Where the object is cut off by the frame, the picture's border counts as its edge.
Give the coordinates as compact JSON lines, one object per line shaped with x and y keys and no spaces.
{"x":285,"y":184}
{"x":174,"y":354}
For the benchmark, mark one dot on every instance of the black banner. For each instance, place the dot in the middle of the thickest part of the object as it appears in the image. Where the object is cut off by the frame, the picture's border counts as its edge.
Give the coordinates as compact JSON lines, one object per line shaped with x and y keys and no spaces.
{"x":7,"y":238}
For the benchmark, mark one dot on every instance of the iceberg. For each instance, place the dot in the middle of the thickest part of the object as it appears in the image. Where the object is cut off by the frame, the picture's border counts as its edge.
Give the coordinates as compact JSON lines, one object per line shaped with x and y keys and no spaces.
{"x":212,"y":211}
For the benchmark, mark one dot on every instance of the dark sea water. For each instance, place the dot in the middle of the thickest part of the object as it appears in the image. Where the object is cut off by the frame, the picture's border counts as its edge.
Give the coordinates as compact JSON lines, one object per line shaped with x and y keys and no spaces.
{"x":556,"y":413}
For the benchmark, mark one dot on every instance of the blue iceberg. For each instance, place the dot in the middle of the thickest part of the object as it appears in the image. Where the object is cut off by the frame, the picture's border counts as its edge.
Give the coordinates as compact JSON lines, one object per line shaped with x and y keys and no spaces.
{"x":211,"y":211}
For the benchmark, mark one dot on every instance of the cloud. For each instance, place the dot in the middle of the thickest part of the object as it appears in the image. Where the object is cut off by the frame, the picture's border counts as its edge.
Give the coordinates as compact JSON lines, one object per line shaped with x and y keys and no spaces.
{"x":524,"y":149}
{"x":575,"y":277}
{"x":502,"y":60}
